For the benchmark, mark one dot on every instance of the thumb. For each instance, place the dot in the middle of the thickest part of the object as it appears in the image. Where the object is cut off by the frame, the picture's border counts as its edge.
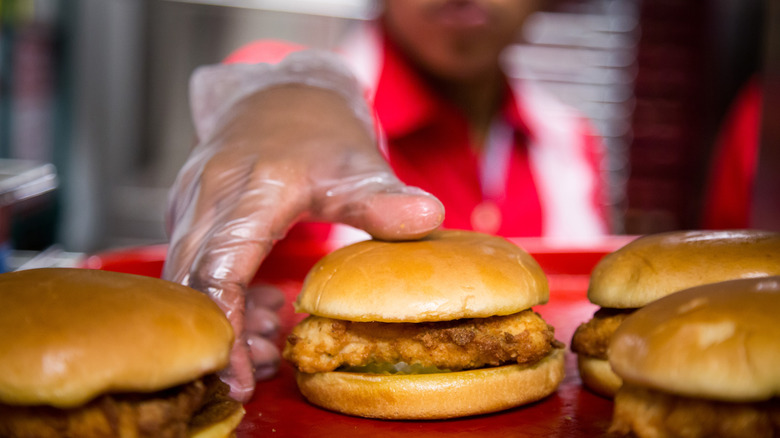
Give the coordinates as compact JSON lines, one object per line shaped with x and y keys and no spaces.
{"x":393,"y":213}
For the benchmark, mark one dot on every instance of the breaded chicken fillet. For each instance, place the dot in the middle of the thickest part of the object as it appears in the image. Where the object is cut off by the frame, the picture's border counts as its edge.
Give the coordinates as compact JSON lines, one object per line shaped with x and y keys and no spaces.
{"x":322,"y":344}
{"x":592,"y":337}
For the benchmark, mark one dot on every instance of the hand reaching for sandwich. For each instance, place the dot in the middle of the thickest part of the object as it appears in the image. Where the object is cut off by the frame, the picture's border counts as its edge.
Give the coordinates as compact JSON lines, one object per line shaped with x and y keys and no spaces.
{"x":273,"y":157}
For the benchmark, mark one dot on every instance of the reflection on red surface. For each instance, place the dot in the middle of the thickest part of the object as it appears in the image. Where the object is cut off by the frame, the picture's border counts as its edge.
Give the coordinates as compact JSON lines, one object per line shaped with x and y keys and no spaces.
{"x":278,"y":409}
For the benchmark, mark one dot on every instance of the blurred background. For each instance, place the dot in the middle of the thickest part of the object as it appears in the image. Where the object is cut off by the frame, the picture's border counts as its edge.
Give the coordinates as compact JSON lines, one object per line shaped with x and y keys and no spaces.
{"x":94,"y":117}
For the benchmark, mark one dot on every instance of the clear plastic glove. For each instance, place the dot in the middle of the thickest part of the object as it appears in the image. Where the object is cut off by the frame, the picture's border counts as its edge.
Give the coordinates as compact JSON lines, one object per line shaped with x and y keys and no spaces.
{"x":265,"y":160}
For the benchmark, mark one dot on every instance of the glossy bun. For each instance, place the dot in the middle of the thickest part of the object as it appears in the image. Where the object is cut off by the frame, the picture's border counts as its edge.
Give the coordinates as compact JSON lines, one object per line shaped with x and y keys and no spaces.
{"x":718,"y":341}
{"x":434,"y":396}
{"x":447,"y":275}
{"x":656,"y":265}
{"x":68,"y":335}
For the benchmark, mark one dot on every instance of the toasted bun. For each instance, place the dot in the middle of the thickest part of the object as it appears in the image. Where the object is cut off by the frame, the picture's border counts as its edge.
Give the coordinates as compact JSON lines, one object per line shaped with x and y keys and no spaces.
{"x":68,"y":335}
{"x":434,"y":396}
{"x":597,"y":375}
{"x":656,"y":265}
{"x":718,"y":341}
{"x":447,"y":275}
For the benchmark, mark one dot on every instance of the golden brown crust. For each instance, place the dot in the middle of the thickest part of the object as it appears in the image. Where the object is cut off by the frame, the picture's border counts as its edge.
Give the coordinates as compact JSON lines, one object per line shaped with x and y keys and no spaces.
{"x":592,"y":337}
{"x":157,"y":415}
{"x":447,"y":275}
{"x":434,"y":396}
{"x":656,"y":265}
{"x":68,"y":335}
{"x":201,"y":409}
{"x":320,"y":344}
{"x":643,"y":412}
{"x":718,"y":341}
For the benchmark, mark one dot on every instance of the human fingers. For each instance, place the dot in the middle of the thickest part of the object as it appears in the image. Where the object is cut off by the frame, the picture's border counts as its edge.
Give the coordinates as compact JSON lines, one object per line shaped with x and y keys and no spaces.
{"x":265,"y":295}
{"x":383,"y":206}
{"x":222,"y":235}
{"x":264,"y":355}
{"x":402,"y":214}
{"x":262,"y":321}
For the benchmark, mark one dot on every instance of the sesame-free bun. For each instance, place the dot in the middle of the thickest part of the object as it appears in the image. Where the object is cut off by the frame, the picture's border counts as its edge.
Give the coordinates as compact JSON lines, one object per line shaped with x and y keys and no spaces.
{"x":717,"y":342}
{"x":656,"y":265}
{"x":597,"y":375}
{"x":68,"y":335}
{"x":444,"y":276}
{"x":434,"y":396}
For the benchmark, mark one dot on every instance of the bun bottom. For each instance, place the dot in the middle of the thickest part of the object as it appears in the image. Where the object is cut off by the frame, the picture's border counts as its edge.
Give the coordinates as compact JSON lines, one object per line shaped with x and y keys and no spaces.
{"x":433,"y":396}
{"x":597,"y":375}
{"x":219,"y":418}
{"x":222,"y":428}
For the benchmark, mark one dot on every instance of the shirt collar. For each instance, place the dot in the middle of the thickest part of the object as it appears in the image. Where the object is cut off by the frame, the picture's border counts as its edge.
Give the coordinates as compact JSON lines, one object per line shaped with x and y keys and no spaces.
{"x":401,"y":87}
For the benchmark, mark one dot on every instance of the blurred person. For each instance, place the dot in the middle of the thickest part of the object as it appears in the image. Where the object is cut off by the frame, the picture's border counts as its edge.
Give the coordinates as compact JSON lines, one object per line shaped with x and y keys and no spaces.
{"x":412,"y":117}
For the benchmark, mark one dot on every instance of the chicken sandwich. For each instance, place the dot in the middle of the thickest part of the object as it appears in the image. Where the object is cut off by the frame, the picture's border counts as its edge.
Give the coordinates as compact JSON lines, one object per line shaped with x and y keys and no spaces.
{"x":435,"y":328}
{"x":654,"y":266}
{"x":88,"y":353}
{"x":702,"y":362}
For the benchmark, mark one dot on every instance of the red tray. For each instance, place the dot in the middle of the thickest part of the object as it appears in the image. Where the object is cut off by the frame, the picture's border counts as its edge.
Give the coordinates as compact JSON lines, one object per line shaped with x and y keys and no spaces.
{"x":278,"y":409}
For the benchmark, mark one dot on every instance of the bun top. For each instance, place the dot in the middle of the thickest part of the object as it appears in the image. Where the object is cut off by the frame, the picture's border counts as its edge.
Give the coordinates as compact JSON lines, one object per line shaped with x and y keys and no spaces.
{"x":718,"y":341}
{"x":68,"y":335}
{"x":447,"y":275}
{"x":656,"y":265}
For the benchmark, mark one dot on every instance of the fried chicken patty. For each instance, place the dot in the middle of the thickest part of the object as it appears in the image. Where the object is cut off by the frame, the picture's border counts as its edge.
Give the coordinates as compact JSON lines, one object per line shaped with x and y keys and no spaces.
{"x":165,"y":414}
{"x":592,"y":337}
{"x":320,"y":344}
{"x":644,"y":412}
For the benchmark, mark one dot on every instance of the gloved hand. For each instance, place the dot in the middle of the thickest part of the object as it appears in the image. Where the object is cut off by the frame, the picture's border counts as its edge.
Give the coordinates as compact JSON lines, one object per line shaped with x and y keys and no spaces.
{"x":266,"y":159}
